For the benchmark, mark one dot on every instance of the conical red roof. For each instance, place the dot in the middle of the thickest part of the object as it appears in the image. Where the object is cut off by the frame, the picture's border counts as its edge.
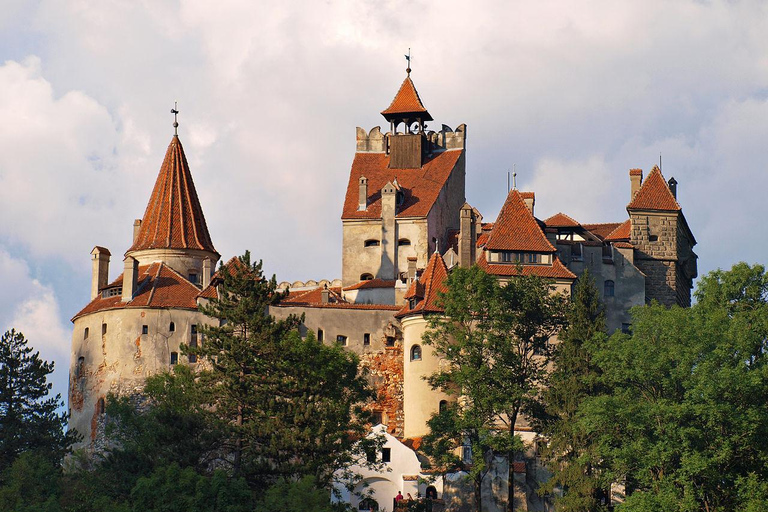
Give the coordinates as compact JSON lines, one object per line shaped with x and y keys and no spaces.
{"x":516,"y":229}
{"x":406,"y":101}
{"x":427,"y":289}
{"x":173,"y":218}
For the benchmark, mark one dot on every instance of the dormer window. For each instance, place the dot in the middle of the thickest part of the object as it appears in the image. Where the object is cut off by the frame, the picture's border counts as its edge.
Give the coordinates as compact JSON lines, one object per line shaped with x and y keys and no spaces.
{"x":372,"y":243}
{"x":193,"y":277}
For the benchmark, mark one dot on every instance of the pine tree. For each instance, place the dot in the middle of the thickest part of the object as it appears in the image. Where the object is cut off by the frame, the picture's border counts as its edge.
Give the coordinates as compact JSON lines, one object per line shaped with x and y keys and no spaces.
{"x":290,"y":406}
{"x":29,"y":421}
{"x":571,"y":452}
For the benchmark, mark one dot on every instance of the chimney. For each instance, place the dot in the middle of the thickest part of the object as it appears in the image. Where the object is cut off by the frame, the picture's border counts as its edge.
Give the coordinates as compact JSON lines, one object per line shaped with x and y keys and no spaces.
{"x":100,"y":269}
{"x":411,"y":269}
{"x":673,"y":186}
{"x":529,"y":199}
{"x":635,"y":179}
{"x":467,"y":227}
{"x":362,"y":194}
{"x":130,"y":278}
{"x":325,"y":295}
{"x":206,"y":278}
{"x":136,"y":229}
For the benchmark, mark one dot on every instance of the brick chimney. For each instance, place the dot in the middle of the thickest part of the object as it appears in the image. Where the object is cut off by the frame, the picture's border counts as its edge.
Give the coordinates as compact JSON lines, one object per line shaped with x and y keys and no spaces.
{"x":136,"y":228}
{"x":130,"y":278}
{"x":100,"y":269}
{"x":206,"y":278}
{"x":325,"y":295}
{"x":529,"y":198}
{"x":635,"y":179}
{"x":411,"y":269}
{"x":467,"y":228}
{"x":362,"y":194}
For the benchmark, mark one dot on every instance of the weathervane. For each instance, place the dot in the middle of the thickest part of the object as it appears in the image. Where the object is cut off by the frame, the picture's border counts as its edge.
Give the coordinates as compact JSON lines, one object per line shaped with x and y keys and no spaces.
{"x":408,"y":60}
{"x":175,"y":112}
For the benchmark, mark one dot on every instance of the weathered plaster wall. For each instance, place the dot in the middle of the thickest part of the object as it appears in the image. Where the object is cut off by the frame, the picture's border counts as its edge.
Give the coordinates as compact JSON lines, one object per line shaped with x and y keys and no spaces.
{"x":120,"y":360}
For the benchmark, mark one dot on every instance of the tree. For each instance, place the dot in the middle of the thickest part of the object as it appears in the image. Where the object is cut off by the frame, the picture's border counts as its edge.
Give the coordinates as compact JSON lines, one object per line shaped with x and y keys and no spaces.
{"x":289,"y":406}
{"x":29,"y":420}
{"x":571,"y":452}
{"x":683,"y":417}
{"x":495,"y":340}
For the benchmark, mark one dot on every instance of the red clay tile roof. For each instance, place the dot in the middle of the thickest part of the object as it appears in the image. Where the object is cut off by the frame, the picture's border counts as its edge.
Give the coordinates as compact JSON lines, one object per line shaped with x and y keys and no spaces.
{"x":623,"y":245}
{"x":556,"y":271}
{"x":621,"y":232}
{"x":422,"y":186}
{"x":406,"y":101}
{"x":313,"y":299}
{"x":159,"y":286}
{"x":433,"y":282}
{"x":482,"y":239}
{"x":635,"y":172}
{"x":561,"y":220}
{"x":516,"y":229}
{"x":173,"y":218}
{"x":654,"y":194}
{"x":601,"y":230}
{"x":372,"y":283}
{"x":210,"y":292}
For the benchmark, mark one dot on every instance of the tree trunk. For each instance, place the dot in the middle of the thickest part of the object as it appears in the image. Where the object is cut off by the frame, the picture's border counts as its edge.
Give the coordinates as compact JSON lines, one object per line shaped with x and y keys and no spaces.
{"x":511,"y":466}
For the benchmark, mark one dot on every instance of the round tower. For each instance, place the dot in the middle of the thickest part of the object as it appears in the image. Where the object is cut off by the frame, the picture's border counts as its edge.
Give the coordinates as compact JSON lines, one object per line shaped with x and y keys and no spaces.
{"x":420,"y":401}
{"x":134,"y":325}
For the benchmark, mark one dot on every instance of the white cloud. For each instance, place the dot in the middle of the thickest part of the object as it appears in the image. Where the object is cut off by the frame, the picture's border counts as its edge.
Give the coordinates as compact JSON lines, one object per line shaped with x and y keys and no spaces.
{"x":32,"y":308}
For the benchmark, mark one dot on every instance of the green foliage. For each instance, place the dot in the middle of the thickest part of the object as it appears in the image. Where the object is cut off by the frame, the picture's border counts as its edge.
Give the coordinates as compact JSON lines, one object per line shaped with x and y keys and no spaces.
{"x":288,"y":406}
{"x":296,"y":496}
{"x":571,"y":452}
{"x":496,"y":341}
{"x":683,"y":416}
{"x":173,"y":489}
{"x":30,"y":484}
{"x":28,"y":416}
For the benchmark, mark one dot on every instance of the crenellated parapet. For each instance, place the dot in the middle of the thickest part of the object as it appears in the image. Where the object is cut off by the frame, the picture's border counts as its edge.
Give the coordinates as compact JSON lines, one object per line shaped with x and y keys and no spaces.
{"x":375,"y":141}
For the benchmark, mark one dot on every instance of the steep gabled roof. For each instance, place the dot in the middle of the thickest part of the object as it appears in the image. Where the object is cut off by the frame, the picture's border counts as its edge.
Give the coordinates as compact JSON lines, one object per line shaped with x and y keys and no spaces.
{"x":555,"y":271}
{"x":406,"y":101}
{"x":621,"y":232}
{"x":159,"y":286}
{"x":516,"y":229}
{"x":561,"y":220}
{"x":427,"y":288}
{"x":601,"y":230}
{"x":654,"y":194}
{"x":420,"y":186}
{"x":173,"y":218}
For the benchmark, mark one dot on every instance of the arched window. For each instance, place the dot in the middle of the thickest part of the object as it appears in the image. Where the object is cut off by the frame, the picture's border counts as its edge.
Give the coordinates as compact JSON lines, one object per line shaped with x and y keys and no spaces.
{"x":403,"y":241}
{"x":372,"y":243}
{"x":608,"y":288}
{"x":443,"y":405}
{"x":366,"y":277}
{"x":416,"y":353}
{"x":85,"y":334}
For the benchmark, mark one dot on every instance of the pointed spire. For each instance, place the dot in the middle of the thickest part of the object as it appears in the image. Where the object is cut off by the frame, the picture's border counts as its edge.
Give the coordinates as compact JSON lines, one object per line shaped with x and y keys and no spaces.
{"x":173,"y":218}
{"x":406,"y":103}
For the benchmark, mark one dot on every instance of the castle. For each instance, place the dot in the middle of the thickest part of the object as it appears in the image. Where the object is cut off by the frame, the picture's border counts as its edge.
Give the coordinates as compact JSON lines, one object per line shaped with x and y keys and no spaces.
{"x":405,"y":223}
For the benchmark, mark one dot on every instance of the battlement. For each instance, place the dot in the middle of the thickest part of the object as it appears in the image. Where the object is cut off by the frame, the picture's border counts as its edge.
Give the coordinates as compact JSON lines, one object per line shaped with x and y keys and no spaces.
{"x":377,"y":142}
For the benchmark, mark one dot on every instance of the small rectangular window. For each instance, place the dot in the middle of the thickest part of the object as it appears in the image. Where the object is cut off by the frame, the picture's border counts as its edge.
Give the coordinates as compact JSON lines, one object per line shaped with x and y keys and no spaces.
{"x":85,"y":334}
{"x":144,"y":329}
{"x":193,"y":278}
{"x":174,"y":358}
{"x":390,"y":341}
{"x":370,"y":456}
{"x":341,"y":340}
{"x":466,"y":454}
{"x":193,"y":344}
{"x":386,"y":454}
{"x":367,"y":339}
{"x":172,"y":327}
{"x":576,"y":252}
{"x":320,"y":335}
{"x":103,"y":329}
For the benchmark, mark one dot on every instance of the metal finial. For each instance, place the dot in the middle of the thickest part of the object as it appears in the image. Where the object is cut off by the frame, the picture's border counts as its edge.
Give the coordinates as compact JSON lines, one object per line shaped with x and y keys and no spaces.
{"x":514,"y":180}
{"x":408,"y":61}
{"x":175,"y":113}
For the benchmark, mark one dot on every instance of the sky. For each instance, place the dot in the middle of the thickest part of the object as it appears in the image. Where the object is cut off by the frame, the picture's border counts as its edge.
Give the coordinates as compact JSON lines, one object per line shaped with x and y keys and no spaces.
{"x":569,"y":94}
